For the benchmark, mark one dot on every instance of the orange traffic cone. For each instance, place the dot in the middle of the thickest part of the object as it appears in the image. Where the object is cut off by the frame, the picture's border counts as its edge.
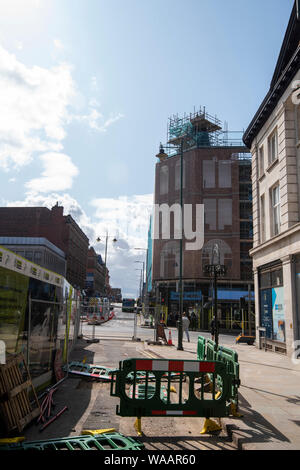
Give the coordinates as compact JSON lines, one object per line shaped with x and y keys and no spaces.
{"x":170,"y":339}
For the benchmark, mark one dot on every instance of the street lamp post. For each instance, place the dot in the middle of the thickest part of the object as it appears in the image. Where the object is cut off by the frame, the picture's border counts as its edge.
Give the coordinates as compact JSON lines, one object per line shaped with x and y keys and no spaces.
{"x":162,"y":156}
{"x":145,"y":279}
{"x":215,"y":270}
{"x":142,"y":278}
{"x":105,"y":256}
{"x":180,"y":332}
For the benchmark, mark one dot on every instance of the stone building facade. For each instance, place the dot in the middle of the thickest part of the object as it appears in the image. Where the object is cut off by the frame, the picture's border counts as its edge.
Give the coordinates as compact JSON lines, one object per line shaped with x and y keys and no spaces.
{"x":274,"y":139}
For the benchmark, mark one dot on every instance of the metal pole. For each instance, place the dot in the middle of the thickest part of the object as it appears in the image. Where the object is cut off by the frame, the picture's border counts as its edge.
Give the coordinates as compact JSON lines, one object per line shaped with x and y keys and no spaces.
{"x":106,"y":239}
{"x":180,"y":347}
{"x":29,"y":327}
{"x":134,"y":325}
{"x":216,"y":309}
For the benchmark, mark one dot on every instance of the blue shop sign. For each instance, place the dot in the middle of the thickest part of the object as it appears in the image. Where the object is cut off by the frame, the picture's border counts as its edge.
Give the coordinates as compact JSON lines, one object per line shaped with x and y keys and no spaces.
{"x":195,"y":295}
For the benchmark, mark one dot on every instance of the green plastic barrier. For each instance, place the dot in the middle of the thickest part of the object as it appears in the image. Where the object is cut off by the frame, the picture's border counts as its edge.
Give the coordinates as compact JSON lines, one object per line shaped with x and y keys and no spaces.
{"x":89,"y":370}
{"x":109,"y":441}
{"x":230,"y":358}
{"x":144,"y":391}
{"x":211,"y":354}
{"x":192,"y":398}
{"x":201,"y":348}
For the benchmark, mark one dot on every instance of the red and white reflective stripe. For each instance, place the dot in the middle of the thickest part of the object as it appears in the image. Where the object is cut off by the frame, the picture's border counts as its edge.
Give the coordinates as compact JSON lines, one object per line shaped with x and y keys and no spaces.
{"x":173,"y":413}
{"x":175,"y":366}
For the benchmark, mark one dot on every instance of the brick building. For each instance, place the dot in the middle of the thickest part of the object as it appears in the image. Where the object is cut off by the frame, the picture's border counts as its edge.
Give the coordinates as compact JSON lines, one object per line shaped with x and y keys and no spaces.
{"x":217,"y":174}
{"x":59,"y":229}
{"x":95,"y":275}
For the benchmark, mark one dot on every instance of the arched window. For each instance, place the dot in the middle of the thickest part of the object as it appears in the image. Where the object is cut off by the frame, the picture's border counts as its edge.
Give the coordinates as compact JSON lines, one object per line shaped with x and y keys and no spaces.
{"x":223,"y":254}
{"x":169,"y":260}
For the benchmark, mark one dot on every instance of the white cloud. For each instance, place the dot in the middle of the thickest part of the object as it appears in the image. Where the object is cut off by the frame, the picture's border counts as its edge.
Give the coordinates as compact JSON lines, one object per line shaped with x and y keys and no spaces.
{"x":95,"y":119}
{"x":34,"y":109}
{"x":127,"y":218}
{"x":58,"y":174}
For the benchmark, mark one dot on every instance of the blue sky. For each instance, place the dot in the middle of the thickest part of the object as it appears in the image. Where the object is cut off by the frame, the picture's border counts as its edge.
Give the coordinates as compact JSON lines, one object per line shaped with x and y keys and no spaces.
{"x":87,"y":87}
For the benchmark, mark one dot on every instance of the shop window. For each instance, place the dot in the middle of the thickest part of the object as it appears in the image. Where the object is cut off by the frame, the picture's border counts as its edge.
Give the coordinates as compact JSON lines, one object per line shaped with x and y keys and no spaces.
{"x":265,"y":279}
{"x":276,"y":278}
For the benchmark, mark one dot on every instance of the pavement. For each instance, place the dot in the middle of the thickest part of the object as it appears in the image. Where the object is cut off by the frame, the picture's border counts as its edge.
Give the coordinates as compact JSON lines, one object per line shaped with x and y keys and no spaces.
{"x":269,"y":395}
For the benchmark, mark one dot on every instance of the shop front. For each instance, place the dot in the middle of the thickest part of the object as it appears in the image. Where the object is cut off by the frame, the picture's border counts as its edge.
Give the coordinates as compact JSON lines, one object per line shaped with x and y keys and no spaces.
{"x":272,"y":317}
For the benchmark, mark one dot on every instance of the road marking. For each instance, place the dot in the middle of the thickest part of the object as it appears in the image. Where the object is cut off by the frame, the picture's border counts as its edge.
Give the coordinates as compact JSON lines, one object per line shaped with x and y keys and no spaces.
{"x":146,"y":353}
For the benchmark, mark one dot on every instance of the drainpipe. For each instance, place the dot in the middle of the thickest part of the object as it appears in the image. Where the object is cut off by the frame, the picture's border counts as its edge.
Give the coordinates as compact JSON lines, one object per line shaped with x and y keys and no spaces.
{"x":297,"y":142}
{"x":297,"y":155}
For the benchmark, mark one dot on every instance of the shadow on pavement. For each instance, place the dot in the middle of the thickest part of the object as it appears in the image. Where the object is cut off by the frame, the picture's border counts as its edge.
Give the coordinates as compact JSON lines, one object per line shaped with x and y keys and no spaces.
{"x":254,"y":428}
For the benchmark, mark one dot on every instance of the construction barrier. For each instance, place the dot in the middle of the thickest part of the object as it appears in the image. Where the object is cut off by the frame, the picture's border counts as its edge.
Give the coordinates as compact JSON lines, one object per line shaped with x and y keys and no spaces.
{"x":230,"y":358}
{"x":140,"y":376}
{"x":206,"y":349}
{"x":89,"y":370}
{"x":210,"y":354}
{"x":92,"y":441}
{"x":201,"y":348}
{"x":141,"y":390}
{"x":192,"y":398}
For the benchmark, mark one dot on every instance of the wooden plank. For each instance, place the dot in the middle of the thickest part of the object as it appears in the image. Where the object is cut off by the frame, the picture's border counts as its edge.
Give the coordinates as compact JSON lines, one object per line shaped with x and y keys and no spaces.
{"x":17,"y":410}
{"x":19,"y":388}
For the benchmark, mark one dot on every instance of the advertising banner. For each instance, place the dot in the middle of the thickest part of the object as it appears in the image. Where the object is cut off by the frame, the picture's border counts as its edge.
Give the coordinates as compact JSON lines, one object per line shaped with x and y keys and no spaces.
{"x":266,"y":317}
{"x":278,"y":314}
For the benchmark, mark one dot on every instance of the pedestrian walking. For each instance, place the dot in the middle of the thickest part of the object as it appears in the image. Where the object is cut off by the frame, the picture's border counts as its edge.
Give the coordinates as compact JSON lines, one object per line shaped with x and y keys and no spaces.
{"x":193,"y":321}
{"x":185,"y":325}
{"x":213,"y":328}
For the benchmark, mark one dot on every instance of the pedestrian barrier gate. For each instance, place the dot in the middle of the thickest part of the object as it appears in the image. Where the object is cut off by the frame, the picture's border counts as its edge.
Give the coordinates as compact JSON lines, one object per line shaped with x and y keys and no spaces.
{"x":206,"y":349}
{"x":89,"y":370}
{"x":192,"y":399}
{"x":91,"y":441}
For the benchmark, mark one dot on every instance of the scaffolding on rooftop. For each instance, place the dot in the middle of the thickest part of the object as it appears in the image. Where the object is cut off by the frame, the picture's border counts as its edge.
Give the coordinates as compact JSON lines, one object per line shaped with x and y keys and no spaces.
{"x":200,"y":129}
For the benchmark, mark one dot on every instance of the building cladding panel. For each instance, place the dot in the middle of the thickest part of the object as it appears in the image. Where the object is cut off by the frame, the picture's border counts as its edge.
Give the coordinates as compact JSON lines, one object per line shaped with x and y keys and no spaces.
{"x":212,"y":177}
{"x":38,"y":250}
{"x":60,"y":230}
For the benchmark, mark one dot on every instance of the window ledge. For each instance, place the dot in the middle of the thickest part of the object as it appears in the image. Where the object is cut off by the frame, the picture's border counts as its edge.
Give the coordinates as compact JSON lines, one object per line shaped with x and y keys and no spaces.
{"x":261,"y":177}
{"x":274,"y":163}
